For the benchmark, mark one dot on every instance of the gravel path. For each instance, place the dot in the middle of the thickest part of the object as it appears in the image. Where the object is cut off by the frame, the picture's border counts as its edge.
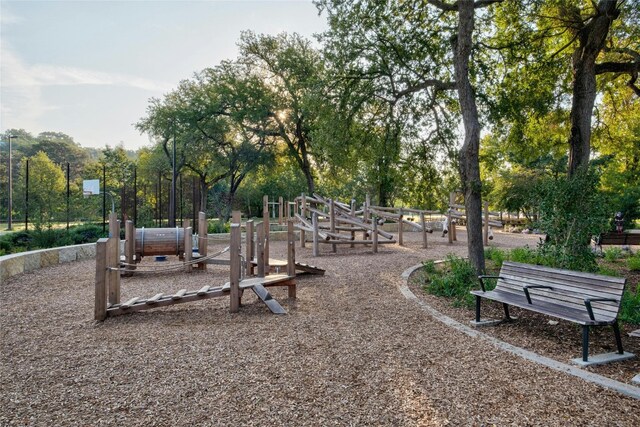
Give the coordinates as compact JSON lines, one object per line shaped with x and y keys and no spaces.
{"x":352,"y":351}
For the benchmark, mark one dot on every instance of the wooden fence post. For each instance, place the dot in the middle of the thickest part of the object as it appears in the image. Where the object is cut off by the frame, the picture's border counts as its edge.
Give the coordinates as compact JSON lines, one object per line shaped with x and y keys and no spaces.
{"x":249,"y":248}
{"x":332,"y":221}
{"x":303,"y":214}
{"x":102,"y":289}
{"x":130,"y":246}
{"x":316,"y":251}
{"x":234,"y":305}
{"x":203,"y":229}
{"x":236,"y":217}
{"x":188,"y":249}
{"x":260,"y":248}
{"x":267,"y":230}
{"x":400,"y":230}
{"x":291,"y":257}
{"x":375,"y":234}
{"x":280,"y":210}
{"x":424,"y":230}
{"x":113,"y":275}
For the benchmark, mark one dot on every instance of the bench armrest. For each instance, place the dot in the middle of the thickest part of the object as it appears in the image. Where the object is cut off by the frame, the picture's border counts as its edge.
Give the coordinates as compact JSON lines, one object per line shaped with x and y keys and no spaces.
{"x":526,"y":290}
{"x":588,"y":301}
{"x":482,"y":277}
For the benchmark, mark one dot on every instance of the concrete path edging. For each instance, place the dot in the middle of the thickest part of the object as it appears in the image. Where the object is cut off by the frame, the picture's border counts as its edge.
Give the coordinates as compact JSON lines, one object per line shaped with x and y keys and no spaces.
{"x":620,"y":387}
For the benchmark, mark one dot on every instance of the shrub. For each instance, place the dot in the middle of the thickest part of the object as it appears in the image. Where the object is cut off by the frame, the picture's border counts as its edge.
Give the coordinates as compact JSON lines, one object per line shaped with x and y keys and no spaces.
{"x":218,"y":226}
{"x":454,"y":282}
{"x":630,"y":307}
{"x":85,"y":234}
{"x":429,"y":267}
{"x":612,"y":254}
{"x":496,"y":255}
{"x":525,"y":255}
{"x":634,"y":262}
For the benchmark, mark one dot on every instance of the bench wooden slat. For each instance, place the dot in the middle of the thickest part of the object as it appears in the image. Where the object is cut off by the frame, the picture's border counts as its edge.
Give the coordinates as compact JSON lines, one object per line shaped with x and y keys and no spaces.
{"x":563,"y":294}
{"x":580,"y":316}
{"x":578,"y":277}
{"x":577,"y":290}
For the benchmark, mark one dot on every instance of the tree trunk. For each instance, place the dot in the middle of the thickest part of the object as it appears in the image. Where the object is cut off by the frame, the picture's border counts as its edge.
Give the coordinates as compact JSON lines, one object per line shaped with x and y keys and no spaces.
{"x":469,"y":165}
{"x":591,"y":39}
{"x":204,"y":190}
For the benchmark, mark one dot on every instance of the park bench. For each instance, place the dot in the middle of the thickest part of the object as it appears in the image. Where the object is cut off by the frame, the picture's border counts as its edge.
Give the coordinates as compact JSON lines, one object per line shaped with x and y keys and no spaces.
{"x":620,"y":239}
{"x":583,"y":298}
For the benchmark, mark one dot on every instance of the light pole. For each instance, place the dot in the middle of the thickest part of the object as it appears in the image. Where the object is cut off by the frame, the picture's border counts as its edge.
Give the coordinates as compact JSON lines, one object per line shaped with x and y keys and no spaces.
{"x":10,"y":219}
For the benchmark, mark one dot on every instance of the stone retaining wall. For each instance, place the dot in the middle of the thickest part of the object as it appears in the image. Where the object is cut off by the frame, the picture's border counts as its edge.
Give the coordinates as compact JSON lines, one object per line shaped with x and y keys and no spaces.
{"x":13,"y":264}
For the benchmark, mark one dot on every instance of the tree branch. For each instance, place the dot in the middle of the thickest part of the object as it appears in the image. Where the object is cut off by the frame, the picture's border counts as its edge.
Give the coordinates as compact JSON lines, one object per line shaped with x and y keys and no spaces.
{"x":617,"y":67}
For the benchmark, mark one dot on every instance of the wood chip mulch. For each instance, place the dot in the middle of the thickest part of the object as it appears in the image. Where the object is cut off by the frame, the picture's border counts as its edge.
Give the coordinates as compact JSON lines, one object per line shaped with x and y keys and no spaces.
{"x":351,"y":351}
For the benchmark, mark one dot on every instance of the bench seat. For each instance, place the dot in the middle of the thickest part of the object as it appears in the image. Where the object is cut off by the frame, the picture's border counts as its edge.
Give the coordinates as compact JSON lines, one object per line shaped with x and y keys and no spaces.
{"x":583,"y":298}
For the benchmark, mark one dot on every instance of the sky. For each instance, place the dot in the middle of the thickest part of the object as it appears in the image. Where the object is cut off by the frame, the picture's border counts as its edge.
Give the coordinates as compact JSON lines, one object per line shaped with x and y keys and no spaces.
{"x":88,"y":68}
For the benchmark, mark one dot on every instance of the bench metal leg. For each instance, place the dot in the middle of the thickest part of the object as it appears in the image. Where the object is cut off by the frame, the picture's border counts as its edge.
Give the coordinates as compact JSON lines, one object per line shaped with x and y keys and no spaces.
{"x":585,"y":343}
{"x":506,"y":311}
{"x":477,"y":309}
{"x":616,"y":331}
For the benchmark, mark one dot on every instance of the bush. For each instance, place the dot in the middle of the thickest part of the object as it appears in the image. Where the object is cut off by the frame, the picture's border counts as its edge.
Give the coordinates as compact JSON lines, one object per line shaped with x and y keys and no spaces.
{"x":613,"y":254}
{"x":630,"y":307}
{"x":634,"y":262}
{"x":496,"y":255}
{"x":218,"y":226}
{"x":524,"y":255}
{"x":85,"y":234}
{"x":571,"y":211}
{"x":454,"y":282}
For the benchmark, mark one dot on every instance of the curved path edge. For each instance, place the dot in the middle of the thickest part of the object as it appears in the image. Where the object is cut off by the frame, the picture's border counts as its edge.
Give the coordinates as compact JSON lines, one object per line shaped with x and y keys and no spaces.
{"x":620,"y":387}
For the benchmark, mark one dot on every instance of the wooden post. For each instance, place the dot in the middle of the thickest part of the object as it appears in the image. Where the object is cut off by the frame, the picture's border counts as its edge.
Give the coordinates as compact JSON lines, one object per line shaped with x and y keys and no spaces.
{"x":486,"y":224}
{"x":188,"y":249}
{"x":353,"y":214}
{"x":452,"y":198}
{"x":114,"y":225}
{"x":303,"y":213}
{"x":113,"y":275}
{"x":102,"y":289}
{"x":130,"y":246}
{"x":291,"y":257}
{"x":236,"y":217}
{"x":203,"y":229}
{"x":234,"y":304}
{"x":424,"y":230}
{"x":260,"y":248}
{"x":316,"y":251}
{"x":332,"y":221}
{"x":249,"y":248}
{"x":366,"y":215}
{"x":267,"y":230}
{"x":280,"y":210}
{"x":375,"y":235}
{"x":400,"y":229}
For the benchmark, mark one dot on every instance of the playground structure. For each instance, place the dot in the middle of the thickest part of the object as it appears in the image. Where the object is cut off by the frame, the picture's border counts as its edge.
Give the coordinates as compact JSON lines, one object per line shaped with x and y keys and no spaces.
{"x":141,"y":242}
{"x":332,"y":222}
{"x":456,"y":212}
{"x":108,"y":280}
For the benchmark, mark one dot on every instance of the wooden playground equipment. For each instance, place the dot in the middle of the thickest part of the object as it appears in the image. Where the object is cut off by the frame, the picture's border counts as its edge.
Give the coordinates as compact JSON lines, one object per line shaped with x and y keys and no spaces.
{"x":241,"y":275}
{"x":456,"y":212}
{"x":335,"y":223}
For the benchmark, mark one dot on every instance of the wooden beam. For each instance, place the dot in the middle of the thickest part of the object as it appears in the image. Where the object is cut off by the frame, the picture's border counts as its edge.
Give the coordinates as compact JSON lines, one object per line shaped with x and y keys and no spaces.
{"x":260,"y":249}
{"x":332,"y":219}
{"x":188,"y":249}
{"x":101,"y":287}
{"x":234,"y":305}
{"x":249,"y":248}
{"x":424,"y":230}
{"x":113,"y":264}
{"x":203,"y":229}
{"x":267,"y":229}
{"x":291,"y":257}
{"x":375,"y":235}
{"x":130,"y":246}
{"x":303,"y":214}
{"x":316,"y":251}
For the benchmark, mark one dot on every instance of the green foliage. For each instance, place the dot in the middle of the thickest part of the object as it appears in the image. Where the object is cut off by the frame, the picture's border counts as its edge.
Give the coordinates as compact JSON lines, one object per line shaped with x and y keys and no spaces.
{"x":633,"y":262}
{"x":217,"y":226}
{"x":613,"y":254}
{"x":44,"y":238}
{"x":429,"y":267}
{"x":496,"y":255}
{"x":630,"y":307}
{"x":571,"y":211}
{"x":525,"y":255}
{"x":454,"y":282}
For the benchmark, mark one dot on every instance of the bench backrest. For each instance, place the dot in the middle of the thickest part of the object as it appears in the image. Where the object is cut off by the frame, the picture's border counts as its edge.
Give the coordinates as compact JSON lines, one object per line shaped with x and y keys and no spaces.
{"x":619,"y":239}
{"x":570,"y":288}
